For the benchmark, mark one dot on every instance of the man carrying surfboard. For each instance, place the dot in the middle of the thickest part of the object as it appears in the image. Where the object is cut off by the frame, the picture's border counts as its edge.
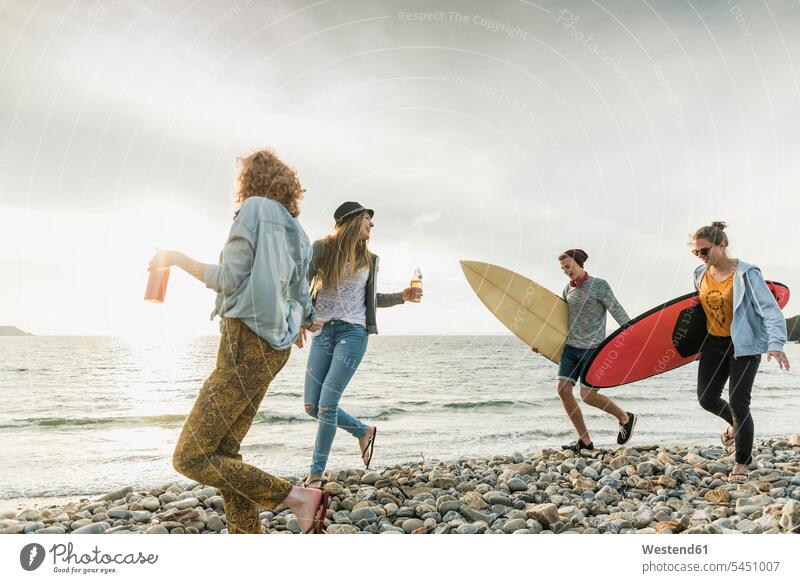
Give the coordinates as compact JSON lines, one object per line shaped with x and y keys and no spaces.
{"x":744,"y":321}
{"x":588,"y":299}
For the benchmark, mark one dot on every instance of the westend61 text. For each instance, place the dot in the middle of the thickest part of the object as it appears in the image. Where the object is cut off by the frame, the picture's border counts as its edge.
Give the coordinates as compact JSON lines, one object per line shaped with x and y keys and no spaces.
{"x":675,"y":550}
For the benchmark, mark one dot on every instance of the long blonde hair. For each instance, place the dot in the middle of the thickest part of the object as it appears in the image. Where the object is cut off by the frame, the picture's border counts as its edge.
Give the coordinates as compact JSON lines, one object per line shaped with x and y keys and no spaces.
{"x":341,"y":247}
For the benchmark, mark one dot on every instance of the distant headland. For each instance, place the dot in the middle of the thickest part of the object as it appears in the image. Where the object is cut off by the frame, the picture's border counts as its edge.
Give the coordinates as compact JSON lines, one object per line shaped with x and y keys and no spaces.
{"x":13,"y":331}
{"x":793,"y":328}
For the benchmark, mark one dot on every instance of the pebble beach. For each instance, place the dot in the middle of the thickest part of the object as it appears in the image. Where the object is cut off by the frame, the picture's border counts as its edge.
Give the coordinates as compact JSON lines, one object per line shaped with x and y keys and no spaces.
{"x":645,"y":489}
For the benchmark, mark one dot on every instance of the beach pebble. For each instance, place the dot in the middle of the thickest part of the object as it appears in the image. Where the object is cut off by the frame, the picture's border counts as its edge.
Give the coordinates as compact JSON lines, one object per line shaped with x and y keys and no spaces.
{"x":54,"y":529}
{"x":94,"y":528}
{"x":206,"y":492}
{"x":608,"y":495}
{"x":141,"y":516}
{"x":370,"y":478}
{"x":29,"y":515}
{"x":185,"y":503}
{"x":366,"y":493}
{"x":467,"y":529}
{"x":10,"y":526}
{"x":621,"y":490}
{"x":116,"y":494}
{"x":151,"y":503}
{"x":168,"y":498}
{"x":215,"y":503}
{"x":496,"y":497}
{"x":523,"y":469}
{"x":545,"y":514}
{"x":215,"y":523}
{"x":445,"y":506}
{"x":747,"y":526}
{"x":333,"y":488}
{"x":120,"y":529}
{"x":120,"y":512}
{"x":514,"y":525}
{"x":790,"y":517}
{"x":76,"y":524}
{"x":293,"y":525}
{"x":367,"y":514}
{"x":475,"y":501}
{"x":473,"y":514}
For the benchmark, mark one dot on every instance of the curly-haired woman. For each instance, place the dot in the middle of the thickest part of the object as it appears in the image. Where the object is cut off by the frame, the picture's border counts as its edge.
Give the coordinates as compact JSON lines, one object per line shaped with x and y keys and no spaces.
{"x":743,"y":322}
{"x":343,"y":272}
{"x":264,"y":303}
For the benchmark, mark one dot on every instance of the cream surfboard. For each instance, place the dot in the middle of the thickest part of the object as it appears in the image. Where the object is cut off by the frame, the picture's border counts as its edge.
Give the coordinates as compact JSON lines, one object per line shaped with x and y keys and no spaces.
{"x":533,"y":313}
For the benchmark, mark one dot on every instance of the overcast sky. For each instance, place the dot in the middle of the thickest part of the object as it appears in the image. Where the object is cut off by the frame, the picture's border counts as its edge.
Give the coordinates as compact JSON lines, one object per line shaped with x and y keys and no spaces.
{"x":502,"y":132}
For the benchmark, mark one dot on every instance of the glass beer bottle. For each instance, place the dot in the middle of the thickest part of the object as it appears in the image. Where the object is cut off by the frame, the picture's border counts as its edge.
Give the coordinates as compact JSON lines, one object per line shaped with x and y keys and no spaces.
{"x":416,"y":286}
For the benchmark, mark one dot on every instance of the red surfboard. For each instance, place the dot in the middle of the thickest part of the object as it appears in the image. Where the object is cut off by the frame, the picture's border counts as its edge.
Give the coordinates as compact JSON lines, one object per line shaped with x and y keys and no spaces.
{"x":661,"y":339}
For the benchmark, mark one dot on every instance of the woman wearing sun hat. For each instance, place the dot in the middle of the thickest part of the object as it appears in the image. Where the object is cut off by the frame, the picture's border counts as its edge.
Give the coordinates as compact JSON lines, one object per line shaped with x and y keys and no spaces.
{"x":342,"y":275}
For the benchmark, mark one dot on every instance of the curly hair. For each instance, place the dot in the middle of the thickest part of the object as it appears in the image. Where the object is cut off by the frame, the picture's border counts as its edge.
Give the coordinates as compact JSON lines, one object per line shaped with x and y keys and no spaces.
{"x":262,"y":173}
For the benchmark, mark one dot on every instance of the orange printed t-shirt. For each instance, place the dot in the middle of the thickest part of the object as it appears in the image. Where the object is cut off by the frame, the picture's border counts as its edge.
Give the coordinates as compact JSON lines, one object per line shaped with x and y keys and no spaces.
{"x":717,"y":300}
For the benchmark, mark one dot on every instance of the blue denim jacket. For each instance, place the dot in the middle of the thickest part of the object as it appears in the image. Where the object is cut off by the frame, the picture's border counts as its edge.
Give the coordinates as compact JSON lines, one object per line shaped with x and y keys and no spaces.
{"x":758,"y":324}
{"x":261,"y":276}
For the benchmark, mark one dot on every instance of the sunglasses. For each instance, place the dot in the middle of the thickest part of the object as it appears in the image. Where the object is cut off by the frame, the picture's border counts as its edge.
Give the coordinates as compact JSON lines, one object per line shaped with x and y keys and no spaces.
{"x":702,"y":252}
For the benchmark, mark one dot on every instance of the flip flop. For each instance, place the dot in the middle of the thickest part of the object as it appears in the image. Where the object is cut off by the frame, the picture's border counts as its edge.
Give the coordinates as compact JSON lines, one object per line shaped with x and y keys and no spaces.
{"x":727,"y":439}
{"x":319,"y":516}
{"x":307,"y":483}
{"x":370,"y":446}
{"x":738,"y":478}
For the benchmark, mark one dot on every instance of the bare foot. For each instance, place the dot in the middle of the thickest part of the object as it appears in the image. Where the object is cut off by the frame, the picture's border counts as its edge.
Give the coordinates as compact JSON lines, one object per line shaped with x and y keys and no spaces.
{"x":362,"y":444}
{"x":304,"y":502}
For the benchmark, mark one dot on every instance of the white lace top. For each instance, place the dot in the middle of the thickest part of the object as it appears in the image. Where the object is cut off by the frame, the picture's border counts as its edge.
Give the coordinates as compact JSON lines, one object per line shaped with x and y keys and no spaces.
{"x":347,"y":302}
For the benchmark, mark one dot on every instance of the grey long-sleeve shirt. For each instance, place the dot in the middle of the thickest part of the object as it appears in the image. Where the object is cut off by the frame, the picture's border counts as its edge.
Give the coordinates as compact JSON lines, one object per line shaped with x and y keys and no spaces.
{"x":587,"y":312}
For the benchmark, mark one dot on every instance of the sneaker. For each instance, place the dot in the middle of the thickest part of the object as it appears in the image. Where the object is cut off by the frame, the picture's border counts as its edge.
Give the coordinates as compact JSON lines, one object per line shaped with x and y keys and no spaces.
{"x":626,"y":431}
{"x":577,"y":446}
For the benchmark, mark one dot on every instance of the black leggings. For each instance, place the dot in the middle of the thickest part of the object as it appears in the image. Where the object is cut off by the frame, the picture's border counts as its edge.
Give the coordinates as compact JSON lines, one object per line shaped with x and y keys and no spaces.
{"x":717,"y":364}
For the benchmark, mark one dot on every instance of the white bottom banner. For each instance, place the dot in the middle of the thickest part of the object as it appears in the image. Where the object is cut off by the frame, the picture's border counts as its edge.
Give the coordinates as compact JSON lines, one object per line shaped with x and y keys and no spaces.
{"x":399,"y":558}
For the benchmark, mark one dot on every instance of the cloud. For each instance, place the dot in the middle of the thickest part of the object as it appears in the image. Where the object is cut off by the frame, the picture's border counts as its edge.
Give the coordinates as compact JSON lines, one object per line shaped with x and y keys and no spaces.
{"x":427,"y":219}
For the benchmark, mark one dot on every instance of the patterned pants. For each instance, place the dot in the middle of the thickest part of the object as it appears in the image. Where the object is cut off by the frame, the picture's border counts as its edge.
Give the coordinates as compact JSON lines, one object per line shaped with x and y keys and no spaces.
{"x":208,"y":447}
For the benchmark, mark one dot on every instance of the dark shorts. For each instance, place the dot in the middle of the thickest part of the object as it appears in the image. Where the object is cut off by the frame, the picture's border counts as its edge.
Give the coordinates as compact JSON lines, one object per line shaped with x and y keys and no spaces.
{"x":573,"y":361}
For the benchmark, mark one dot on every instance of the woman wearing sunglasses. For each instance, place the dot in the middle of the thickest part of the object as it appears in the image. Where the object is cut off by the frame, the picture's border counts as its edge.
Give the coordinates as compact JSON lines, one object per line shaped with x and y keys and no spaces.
{"x":743,"y":321}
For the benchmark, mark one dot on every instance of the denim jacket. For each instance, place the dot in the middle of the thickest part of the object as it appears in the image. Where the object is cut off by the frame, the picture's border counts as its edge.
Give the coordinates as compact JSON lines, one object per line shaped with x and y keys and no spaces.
{"x":372,"y":298}
{"x":758,"y":324}
{"x":261,"y":276}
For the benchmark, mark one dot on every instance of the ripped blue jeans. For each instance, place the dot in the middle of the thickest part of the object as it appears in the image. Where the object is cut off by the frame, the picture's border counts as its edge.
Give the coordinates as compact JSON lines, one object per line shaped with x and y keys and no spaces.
{"x":335,"y":355}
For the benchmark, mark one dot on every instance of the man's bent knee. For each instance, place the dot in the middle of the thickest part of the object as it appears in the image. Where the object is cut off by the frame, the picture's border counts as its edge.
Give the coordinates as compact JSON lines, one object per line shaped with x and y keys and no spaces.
{"x":564,"y":389}
{"x":311,"y":410}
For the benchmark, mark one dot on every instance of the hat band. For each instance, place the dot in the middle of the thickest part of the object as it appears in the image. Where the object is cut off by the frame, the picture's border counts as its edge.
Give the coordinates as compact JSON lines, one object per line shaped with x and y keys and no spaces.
{"x":352,"y":212}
